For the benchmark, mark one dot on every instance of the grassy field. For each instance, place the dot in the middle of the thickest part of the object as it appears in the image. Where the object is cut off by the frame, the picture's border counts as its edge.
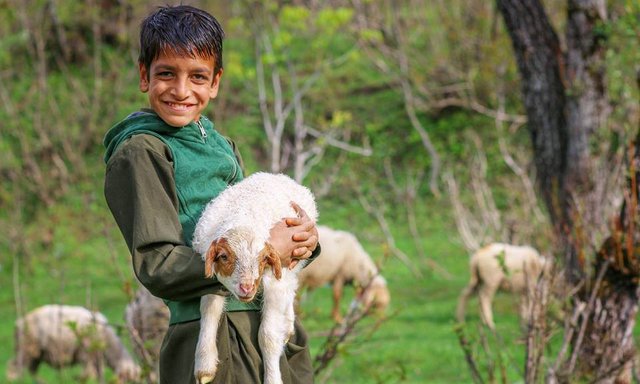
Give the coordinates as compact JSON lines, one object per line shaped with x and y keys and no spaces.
{"x":85,"y":262}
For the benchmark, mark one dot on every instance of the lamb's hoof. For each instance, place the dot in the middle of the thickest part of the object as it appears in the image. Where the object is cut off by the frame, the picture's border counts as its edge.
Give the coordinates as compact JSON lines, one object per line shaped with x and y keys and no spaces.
{"x":206,"y":367}
{"x":204,"y":377}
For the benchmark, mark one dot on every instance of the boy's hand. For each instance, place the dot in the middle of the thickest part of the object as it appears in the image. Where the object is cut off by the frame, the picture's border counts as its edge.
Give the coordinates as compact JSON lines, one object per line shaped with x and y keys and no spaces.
{"x":294,"y":238}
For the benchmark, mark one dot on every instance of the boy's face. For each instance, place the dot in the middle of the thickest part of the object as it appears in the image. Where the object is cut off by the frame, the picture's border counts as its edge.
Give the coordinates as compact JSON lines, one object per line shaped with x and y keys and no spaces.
{"x":179,"y":87}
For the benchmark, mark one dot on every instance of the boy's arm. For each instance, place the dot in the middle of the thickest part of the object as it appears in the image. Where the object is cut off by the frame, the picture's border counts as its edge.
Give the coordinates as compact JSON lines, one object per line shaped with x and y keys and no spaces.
{"x":140,"y":191}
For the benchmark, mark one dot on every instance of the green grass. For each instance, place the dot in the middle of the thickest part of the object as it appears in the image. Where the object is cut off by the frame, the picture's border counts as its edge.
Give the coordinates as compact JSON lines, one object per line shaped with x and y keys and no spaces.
{"x":417,"y":342}
{"x":87,"y":263}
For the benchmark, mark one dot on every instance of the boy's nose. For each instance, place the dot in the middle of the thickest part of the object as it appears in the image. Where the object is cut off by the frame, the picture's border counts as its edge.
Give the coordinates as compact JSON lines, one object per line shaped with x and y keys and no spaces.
{"x":180,"y":89}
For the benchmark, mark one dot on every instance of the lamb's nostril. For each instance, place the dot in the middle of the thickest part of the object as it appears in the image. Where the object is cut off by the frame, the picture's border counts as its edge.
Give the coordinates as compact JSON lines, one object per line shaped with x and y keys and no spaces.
{"x":246,"y":288}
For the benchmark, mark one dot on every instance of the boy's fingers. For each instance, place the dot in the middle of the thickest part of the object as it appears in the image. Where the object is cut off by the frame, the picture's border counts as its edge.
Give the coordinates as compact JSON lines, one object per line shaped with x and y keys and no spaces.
{"x":306,"y":237}
{"x":303,"y":231}
{"x":309,"y":244}
{"x":293,"y":221}
{"x":301,"y":212}
{"x":304,"y":224}
{"x":302,"y":253}
{"x":297,"y":208}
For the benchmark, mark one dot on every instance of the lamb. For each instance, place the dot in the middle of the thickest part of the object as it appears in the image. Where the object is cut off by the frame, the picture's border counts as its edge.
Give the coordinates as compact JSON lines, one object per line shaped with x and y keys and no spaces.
{"x":232,"y":236}
{"x":62,"y":335}
{"x":505,"y":267}
{"x":147,"y":319}
{"x":344,"y":260}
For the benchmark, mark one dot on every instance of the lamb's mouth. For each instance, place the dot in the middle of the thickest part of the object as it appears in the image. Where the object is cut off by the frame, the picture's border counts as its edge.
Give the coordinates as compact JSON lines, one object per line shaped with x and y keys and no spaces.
{"x":245,"y":299}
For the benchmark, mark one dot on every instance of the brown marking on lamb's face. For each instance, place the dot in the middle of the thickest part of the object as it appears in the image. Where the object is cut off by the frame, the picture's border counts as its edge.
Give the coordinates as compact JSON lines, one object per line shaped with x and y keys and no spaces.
{"x":220,"y":259}
{"x":269,"y":256}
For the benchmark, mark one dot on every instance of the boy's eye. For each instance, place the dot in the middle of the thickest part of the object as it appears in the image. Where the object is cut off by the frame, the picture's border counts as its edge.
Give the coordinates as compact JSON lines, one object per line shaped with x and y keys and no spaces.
{"x":164,"y":74}
{"x":200,"y":78}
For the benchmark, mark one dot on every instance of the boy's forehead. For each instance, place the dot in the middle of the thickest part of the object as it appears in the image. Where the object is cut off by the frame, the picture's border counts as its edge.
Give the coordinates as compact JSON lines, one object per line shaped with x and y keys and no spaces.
{"x":173,"y":58}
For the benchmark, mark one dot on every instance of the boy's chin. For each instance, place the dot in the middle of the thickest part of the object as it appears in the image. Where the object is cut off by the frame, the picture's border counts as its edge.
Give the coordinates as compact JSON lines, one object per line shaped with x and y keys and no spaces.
{"x":176,"y":122}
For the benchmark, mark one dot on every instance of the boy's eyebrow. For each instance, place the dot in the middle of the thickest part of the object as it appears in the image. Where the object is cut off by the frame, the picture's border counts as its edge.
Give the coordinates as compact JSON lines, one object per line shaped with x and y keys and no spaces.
{"x":168,"y":67}
{"x":202,"y":70}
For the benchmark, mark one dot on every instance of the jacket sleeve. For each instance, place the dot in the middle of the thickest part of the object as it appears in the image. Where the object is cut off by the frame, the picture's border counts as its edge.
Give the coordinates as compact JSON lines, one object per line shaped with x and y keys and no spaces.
{"x":141,"y":194}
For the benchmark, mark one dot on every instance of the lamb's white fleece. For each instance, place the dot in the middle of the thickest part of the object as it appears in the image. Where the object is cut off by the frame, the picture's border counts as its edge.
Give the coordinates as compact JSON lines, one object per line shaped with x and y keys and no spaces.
{"x":257,"y":202}
{"x":241,"y":217}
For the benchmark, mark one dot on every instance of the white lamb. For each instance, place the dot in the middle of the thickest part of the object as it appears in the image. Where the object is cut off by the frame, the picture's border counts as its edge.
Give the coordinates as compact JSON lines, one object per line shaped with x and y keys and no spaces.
{"x":62,"y":335}
{"x":232,"y":236}
{"x":344,"y":260}
{"x":501,"y":266}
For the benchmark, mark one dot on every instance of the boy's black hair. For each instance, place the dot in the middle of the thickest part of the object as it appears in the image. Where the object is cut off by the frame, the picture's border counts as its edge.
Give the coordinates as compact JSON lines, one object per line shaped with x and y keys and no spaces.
{"x":181,"y":30}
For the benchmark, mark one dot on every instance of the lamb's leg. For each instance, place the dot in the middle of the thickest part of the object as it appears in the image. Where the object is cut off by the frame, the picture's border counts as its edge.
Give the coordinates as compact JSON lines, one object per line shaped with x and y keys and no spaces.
{"x":206,"y":364}
{"x":462,"y":302}
{"x":485,"y":296}
{"x":290,"y":317}
{"x":338,"y":285}
{"x":469,"y":290}
{"x":277,"y":324}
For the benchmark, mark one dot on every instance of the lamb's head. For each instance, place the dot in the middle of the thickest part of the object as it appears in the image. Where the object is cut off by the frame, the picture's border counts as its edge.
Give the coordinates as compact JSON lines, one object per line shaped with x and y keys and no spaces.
{"x":376,"y":295}
{"x":128,"y":371}
{"x":238,"y":259}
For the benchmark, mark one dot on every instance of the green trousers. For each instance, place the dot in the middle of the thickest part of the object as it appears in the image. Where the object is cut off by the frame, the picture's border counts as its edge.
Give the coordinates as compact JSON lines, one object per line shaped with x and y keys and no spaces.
{"x":239,"y":353}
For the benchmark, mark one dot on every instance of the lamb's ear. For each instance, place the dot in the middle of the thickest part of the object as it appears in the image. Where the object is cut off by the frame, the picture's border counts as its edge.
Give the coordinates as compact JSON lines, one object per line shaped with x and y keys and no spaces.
{"x":210,"y":257}
{"x":271,"y":257}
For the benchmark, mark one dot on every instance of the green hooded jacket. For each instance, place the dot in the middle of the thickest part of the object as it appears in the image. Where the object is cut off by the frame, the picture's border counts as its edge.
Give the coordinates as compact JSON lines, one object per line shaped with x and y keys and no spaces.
{"x":203,"y":163}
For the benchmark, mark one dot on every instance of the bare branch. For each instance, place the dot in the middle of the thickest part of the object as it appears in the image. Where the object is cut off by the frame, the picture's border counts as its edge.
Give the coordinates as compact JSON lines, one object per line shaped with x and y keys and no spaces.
{"x":467,"y":228}
{"x":364,"y":150}
{"x":386,"y":230}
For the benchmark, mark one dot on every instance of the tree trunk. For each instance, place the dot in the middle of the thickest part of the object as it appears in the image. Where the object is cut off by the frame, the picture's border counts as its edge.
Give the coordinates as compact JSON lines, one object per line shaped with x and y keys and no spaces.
{"x":565,"y":100}
{"x":586,"y":107}
{"x":539,"y":59}
{"x":608,"y":350}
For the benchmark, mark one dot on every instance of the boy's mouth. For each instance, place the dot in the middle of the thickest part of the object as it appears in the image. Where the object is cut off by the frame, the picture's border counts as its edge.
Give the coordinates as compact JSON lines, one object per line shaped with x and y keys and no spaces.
{"x":179,"y":106}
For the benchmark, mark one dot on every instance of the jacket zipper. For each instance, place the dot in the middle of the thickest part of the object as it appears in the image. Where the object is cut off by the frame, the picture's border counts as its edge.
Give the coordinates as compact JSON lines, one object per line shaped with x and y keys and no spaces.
{"x":203,"y":133}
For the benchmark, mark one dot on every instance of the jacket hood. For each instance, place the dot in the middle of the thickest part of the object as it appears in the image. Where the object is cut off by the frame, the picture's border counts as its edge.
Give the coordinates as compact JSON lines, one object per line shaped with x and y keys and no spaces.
{"x":142,"y":121}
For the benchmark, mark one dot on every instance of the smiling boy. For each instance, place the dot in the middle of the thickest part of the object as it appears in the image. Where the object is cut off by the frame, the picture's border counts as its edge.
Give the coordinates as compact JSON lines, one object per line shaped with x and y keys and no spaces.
{"x":179,"y":87}
{"x":163,"y":165}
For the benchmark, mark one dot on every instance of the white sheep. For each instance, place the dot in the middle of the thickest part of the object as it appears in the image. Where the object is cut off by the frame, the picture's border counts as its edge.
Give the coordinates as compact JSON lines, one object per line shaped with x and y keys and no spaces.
{"x":232,"y":236}
{"x":62,"y":335}
{"x":343,"y":260}
{"x":501,"y":266}
{"x":147,"y":319}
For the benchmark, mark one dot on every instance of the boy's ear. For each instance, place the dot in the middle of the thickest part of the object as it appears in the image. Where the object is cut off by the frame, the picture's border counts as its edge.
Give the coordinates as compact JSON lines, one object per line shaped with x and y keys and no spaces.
{"x":215,"y":84}
{"x":144,"y":78}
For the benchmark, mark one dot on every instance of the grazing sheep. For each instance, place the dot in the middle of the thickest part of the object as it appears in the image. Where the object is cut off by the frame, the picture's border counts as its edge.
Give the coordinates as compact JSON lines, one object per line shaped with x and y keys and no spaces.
{"x":62,"y":335}
{"x":505,"y":267}
{"x":232,"y":236}
{"x":344,"y":260}
{"x":147,"y":319}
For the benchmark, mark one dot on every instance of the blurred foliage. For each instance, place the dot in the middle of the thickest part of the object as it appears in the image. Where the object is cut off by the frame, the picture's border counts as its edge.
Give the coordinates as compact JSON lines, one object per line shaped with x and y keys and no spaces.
{"x":72,"y":74}
{"x":68,"y":73}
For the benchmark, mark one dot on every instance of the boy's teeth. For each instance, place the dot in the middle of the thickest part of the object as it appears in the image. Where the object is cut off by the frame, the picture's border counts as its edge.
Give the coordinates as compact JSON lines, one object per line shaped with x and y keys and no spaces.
{"x":178,"y":106}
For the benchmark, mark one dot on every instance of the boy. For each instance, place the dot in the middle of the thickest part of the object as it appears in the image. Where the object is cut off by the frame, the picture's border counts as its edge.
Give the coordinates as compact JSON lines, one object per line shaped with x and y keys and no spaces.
{"x":163,"y":165}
